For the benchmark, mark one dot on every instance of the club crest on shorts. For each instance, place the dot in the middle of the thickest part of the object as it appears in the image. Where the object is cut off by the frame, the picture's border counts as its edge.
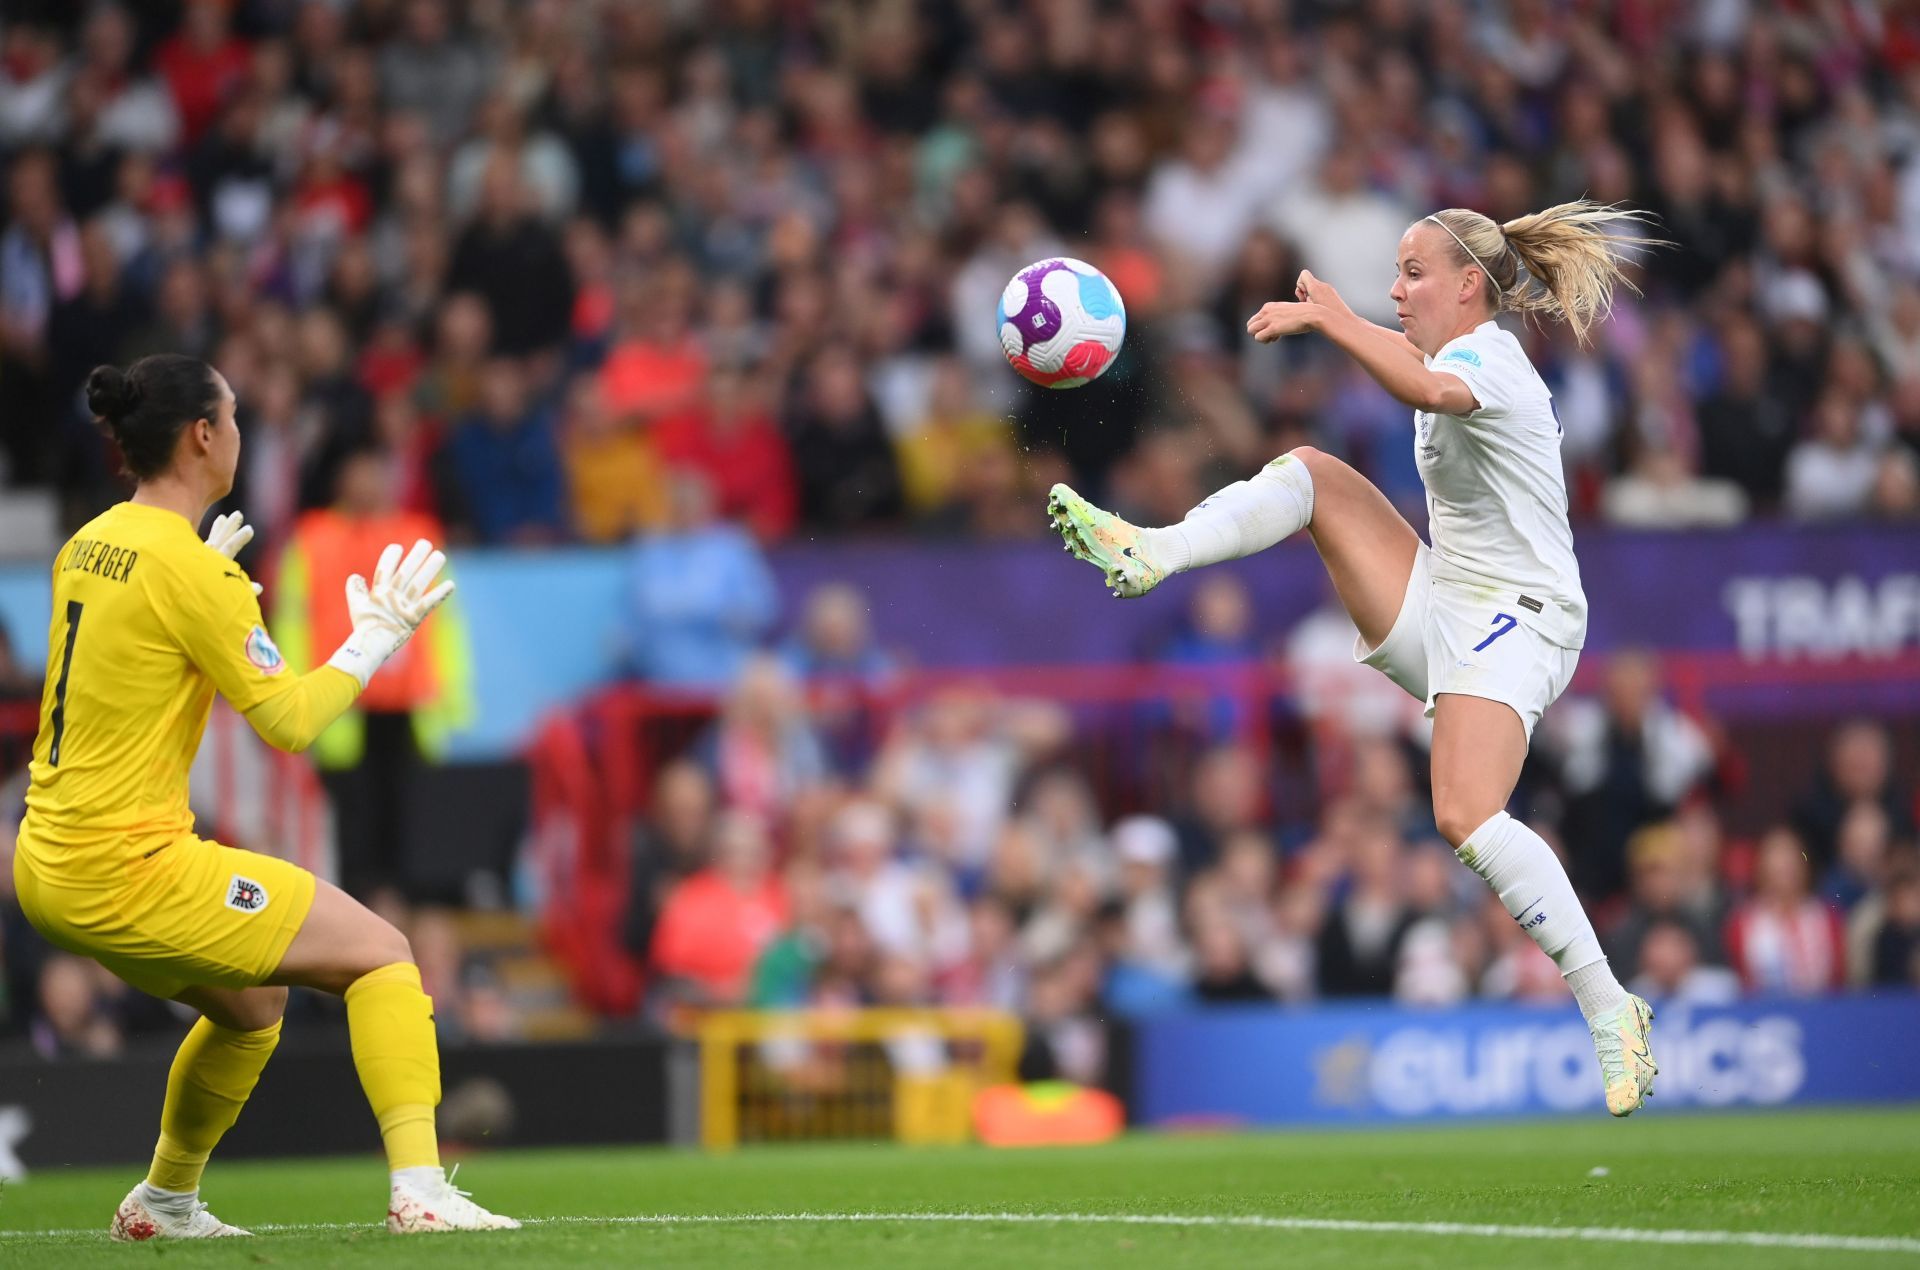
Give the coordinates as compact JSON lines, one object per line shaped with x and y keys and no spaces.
{"x":245,"y":895}
{"x":262,"y":652}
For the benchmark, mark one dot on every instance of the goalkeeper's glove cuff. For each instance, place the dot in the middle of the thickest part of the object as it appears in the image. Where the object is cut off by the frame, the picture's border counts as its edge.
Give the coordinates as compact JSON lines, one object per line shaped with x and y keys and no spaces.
{"x":365,"y":651}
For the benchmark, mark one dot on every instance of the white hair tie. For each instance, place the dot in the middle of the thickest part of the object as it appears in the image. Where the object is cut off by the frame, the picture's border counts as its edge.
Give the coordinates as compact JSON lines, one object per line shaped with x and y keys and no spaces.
{"x":1463,"y":247}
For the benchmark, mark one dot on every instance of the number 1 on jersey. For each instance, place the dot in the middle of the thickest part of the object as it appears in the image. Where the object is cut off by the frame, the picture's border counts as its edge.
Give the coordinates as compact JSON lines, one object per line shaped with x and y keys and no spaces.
{"x":74,"y":608}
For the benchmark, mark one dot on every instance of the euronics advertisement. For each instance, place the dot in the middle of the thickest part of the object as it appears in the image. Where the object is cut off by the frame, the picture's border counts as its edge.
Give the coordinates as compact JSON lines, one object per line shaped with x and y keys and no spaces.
{"x":1352,"y":1064}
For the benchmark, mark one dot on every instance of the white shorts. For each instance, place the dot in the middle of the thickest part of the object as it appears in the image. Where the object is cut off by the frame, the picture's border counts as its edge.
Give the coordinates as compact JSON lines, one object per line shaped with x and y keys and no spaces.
{"x":1469,"y":641}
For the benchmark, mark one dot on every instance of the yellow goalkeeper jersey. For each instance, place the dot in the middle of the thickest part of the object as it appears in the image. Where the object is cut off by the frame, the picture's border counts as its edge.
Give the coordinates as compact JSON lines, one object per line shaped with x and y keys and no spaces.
{"x":148,"y":623}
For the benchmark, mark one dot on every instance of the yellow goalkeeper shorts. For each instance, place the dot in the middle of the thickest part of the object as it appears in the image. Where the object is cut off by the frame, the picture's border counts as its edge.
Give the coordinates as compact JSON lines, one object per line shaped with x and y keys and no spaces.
{"x":192,"y":913}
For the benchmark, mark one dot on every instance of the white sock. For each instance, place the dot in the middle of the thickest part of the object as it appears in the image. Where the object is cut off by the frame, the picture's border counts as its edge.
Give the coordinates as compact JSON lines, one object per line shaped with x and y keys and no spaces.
{"x":424,"y":1176}
{"x":1245,"y":517}
{"x":1527,"y":876}
{"x":1595,"y":989}
{"x":170,"y":1202}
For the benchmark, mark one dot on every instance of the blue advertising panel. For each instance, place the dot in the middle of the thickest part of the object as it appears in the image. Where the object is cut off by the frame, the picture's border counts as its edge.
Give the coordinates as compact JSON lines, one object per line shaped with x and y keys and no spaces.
{"x":1355,"y":1064}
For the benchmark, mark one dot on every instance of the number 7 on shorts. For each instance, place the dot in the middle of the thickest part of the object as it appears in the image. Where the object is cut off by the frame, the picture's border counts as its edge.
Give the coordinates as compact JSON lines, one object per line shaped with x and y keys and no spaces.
{"x":1498,"y":618}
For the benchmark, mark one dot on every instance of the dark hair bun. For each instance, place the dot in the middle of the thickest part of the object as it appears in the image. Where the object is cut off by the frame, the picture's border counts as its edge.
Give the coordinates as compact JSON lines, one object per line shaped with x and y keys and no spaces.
{"x":111,"y":394}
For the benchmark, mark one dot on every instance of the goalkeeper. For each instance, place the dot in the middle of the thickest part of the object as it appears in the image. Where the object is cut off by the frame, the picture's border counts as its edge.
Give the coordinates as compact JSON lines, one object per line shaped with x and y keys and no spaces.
{"x":148,"y":623}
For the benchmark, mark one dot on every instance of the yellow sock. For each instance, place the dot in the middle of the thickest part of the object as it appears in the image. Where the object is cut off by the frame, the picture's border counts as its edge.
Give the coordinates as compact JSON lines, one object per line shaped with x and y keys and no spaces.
{"x":390,"y":1020}
{"x":212,"y":1077}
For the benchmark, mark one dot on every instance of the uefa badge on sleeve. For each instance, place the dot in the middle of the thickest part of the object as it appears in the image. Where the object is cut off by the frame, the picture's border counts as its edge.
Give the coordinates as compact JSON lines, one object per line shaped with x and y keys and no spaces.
{"x":262,"y":652}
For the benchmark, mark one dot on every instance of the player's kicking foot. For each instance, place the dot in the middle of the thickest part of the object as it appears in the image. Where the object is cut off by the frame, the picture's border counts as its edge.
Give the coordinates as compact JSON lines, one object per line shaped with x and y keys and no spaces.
{"x":420,"y":1205}
{"x":140,"y":1218}
{"x":1103,"y":540}
{"x":1626,"y":1058}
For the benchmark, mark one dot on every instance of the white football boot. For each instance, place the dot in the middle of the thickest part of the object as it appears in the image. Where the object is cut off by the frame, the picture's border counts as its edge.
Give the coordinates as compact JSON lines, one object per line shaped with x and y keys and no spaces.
{"x":137,"y":1220}
{"x":420,"y":1206}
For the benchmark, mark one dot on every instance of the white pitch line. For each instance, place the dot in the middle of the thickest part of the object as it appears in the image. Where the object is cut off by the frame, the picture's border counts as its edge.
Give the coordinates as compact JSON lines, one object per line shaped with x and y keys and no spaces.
{"x":1474,"y":1230}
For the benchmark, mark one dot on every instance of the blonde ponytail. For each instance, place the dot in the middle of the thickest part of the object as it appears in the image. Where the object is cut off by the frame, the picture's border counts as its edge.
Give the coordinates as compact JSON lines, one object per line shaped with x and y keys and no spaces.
{"x":1562,"y":262}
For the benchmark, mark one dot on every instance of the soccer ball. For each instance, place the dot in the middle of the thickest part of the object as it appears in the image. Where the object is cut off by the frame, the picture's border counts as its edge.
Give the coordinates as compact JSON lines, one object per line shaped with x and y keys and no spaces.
{"x":1061,"y":322}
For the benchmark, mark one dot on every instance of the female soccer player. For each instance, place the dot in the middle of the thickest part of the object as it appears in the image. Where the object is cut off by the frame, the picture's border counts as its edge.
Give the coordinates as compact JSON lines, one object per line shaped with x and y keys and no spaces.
{"x":148,"y":623}
{"x":1486,"y":624}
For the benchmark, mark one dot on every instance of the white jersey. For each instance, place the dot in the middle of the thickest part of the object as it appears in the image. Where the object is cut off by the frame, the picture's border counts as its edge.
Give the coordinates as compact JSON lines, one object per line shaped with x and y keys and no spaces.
{"x":1496,"y":492}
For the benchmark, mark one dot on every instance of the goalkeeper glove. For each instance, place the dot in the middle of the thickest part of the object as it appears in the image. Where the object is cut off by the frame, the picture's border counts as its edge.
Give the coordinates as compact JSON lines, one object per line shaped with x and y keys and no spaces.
{"x":228,"y":534}
{"x":387,"y":613}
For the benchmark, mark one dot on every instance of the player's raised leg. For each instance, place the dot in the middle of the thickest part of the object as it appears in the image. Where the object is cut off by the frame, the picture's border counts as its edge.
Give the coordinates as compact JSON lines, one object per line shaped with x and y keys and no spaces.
{"x":1478,"y":747}
{"x":212,"y":1076}
{"x":1367,"y":546}
{"x":345,"y":948}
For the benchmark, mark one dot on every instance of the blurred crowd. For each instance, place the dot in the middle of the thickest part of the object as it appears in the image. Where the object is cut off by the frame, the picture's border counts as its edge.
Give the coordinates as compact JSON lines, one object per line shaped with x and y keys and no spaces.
{"x":711,"y":276}
{"x":824,"y":839}
{"x":968,"y":854}
{"x":550,"y":262}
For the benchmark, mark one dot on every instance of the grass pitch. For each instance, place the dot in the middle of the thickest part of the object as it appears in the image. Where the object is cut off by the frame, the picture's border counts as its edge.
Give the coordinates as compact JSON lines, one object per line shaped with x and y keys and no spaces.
{"x":1838,"y":1189}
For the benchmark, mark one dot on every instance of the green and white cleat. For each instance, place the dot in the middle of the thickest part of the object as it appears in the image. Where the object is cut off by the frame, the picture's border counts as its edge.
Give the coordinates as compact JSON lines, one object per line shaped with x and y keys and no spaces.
{"x":1102,"y":539}
{"x":1621,"y":1039}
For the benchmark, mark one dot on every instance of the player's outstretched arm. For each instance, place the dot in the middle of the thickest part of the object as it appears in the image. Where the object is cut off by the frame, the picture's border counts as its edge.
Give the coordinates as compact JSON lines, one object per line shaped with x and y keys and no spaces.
{"x":227,"y":638}
{"x":1310,"y":290}
{"x":1380,"y":352}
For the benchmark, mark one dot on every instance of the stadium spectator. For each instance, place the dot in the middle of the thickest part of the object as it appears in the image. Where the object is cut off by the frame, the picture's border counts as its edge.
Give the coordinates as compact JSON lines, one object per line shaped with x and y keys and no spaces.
{"x":833,"y":651}
{"x":731,"y":439}
{"x":507,"y":459}
{"x":1367,"y":924}
{"x":1065,"y":1040}
{"x":1226,"y":797}
{"x":670,"y":844}
{"x":432,"y":72}
{"x":716,"y":923}
{"x":940,"y":442}
{"x":835,"y":639}
{"x":847,"y":473}
{"x":1862,"y":850}
{"x":1784,"y":939}
{"x":369,"y":758}
{"x":513,"y":261}
{"x":992,"y":973}
{"x":203,"y":64}
{"x":655,"y":367}
{"x":1147,"y":849}
{"x":1831,"y":474}
{"x":1896,"y":941}
{"x":108,"y":93}
{"x":616,"y":483}
{"x":1746,"y":427}
{"x":1671,"y":971}
{"x":1896,"y":486}
{"x":75,"y":1018}
{"x":1667,"y":885}
{"x":964,"y":750}
{"x":762,"y":752}
{"x":1624,"y":760}
{"x":700,"y":598}
{"x":1216,"y":630}
{"x":1859,"y":769}
{"x":908,"y":907}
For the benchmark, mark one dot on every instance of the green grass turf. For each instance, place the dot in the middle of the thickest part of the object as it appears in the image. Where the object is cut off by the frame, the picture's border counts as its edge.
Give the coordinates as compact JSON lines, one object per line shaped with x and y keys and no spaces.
{"x":1842,"y":1173}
